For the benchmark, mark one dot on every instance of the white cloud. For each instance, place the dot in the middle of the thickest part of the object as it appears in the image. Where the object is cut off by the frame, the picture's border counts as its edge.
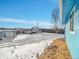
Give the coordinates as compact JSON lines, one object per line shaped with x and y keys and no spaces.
{"x":44,"y":24}
{"x":11,"y":20}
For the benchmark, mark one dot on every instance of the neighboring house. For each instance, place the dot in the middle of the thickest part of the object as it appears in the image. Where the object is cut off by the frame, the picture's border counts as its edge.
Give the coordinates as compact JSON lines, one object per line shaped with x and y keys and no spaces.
{"x":7,"y":34}
{"x":69,"y":12}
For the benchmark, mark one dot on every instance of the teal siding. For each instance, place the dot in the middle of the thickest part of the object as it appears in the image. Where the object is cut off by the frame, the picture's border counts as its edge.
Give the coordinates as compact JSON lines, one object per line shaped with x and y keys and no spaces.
{"x":77,"y":4}
{"x":67,"y":6}
{"x":73,"y":39}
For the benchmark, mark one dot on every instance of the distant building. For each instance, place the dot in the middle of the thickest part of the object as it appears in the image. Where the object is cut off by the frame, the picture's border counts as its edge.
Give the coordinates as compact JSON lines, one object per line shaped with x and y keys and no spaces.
{"x":35,"y":30}
{"x":7,"y":34}
{"x":69,"y":11}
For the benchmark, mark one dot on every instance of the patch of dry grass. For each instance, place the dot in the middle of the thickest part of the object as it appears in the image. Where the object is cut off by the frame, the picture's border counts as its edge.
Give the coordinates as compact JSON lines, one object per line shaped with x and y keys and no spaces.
{"x":57,"y":50}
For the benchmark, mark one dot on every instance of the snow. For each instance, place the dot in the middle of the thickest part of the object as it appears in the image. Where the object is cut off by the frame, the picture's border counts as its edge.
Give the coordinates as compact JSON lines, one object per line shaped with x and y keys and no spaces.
{"x":21,"y":36}
{"x":26,"y":46}
{"x":27,"y":51}
{"x":37,"y":37}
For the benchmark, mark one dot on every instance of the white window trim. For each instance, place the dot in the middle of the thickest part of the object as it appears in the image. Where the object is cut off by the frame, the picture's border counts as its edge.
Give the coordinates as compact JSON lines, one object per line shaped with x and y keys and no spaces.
{"x":73,"y":32}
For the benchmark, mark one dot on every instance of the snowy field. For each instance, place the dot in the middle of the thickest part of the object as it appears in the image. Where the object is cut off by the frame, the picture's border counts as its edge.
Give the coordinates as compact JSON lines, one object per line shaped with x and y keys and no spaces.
{"x":27,"y":46}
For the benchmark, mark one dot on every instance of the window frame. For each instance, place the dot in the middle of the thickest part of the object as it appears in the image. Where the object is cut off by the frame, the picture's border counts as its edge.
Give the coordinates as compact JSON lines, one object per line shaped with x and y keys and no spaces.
{"x":72,"y":31}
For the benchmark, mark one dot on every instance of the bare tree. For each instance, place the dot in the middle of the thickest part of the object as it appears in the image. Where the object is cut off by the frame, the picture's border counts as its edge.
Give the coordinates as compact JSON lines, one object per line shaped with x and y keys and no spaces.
{"x":55,"y":16}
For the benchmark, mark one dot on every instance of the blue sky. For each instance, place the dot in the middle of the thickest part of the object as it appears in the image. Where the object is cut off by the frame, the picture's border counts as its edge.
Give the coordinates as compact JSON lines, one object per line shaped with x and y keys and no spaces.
{"x":26,"y":13}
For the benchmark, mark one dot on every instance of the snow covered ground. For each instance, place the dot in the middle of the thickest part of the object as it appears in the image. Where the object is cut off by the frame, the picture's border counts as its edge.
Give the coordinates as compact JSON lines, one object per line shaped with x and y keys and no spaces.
{"x":26,"y":46}
{"x":27,"y":51}
{"x":35,"y":38}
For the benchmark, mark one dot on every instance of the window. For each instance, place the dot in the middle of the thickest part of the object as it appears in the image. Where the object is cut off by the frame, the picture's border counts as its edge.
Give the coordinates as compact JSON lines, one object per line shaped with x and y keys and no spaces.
{"x":72,"y":21}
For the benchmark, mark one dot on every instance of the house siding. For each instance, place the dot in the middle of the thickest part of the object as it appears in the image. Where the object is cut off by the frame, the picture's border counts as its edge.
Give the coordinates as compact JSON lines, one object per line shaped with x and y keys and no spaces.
{"x":67,"y":6}
{"x":72,"y":39}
